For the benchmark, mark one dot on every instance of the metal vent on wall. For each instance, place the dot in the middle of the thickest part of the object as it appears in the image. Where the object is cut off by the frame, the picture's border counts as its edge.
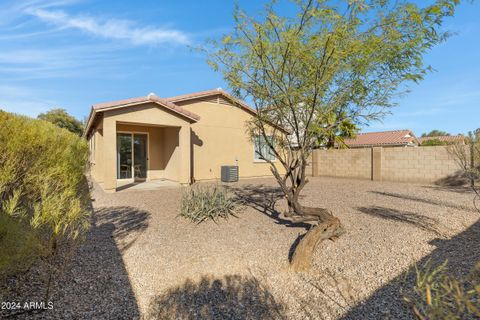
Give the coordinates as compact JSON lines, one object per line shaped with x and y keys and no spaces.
{"x":229,"y":174}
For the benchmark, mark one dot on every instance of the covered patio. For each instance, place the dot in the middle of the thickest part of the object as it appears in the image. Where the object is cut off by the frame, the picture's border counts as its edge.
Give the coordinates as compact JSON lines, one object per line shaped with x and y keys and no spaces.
{"x":140,"y":141}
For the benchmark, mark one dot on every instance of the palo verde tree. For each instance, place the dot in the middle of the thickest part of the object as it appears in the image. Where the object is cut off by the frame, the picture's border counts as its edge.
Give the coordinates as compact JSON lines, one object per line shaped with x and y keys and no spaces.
{"x":347,"y":59}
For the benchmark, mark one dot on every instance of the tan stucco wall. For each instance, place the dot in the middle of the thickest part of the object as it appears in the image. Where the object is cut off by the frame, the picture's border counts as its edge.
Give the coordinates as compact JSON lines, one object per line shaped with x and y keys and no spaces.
{"x":171,"y":153}
{"x":220,"y":138}
{"x":96,"y":159}
{"x":178,"y":148}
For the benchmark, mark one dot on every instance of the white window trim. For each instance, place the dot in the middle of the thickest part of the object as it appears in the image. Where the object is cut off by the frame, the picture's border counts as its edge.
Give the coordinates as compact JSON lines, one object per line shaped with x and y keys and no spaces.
{"x":260,"y":160}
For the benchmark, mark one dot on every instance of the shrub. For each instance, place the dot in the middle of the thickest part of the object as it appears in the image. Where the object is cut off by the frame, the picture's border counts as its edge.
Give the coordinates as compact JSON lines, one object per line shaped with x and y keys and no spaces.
{"x":200,"y":203}
{"x":19,"y":246}
{"x":62,"y":119}
{"x":44,"y":194}
{"x":437,"y":295}
{"x":433,"y":142}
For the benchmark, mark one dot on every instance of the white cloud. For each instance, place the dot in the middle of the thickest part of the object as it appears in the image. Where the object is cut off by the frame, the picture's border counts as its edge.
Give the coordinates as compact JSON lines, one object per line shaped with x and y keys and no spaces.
{"x":24,"y":64}
{"x":111,"y":28}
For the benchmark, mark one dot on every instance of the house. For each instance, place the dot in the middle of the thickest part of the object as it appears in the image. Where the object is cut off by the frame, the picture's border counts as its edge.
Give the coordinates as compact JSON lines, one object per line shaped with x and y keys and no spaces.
{"x":395,"y":138}
{"x":460,"y":139}
{"x":185,"y":138}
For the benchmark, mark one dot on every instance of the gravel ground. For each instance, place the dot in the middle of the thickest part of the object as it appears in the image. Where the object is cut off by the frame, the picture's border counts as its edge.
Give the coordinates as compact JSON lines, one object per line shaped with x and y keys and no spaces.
{"x":142,"y":259}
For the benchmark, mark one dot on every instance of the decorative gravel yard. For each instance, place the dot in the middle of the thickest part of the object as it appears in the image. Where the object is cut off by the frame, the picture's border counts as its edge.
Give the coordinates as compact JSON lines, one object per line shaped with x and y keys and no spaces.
{"x":141,"y":259}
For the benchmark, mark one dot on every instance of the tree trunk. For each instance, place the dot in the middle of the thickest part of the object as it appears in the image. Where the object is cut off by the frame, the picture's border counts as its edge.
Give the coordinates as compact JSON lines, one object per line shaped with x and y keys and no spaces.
{"x":326,"y":226}
{"x":329,"y":227}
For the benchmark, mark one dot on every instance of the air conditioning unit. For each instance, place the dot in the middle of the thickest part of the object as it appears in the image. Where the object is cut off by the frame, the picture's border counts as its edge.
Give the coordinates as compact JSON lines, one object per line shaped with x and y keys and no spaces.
{"x":229,"y":174}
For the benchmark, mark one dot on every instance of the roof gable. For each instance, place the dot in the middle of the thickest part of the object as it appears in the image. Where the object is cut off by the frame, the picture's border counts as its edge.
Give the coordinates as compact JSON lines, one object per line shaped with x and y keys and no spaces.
{"x":223,"y":95}
{"x":211,"y":93}
{"x":151,"y":98}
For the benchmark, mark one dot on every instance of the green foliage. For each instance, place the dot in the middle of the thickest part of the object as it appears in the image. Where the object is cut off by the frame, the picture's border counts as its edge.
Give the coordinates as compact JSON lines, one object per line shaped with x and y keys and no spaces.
{"x":433,"y":142}
{"x":435,"y":133}
{"x":324,"y":61}
{"x":19,"y":246}
{"x":200,"y":203}
{"x":62,"y":119}
{"x":345,"y":128}
{"x":437,"y":295}
{"x":44,"y":194}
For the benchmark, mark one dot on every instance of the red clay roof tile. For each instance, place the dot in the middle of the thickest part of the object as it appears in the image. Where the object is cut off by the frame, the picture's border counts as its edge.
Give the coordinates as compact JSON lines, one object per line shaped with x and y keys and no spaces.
{"x":396,"y":137}
{"x":146,"y":99}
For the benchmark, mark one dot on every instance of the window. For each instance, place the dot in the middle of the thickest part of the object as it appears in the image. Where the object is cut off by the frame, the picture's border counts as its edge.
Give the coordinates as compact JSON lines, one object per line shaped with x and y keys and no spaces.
{"x":92,"y":147}
{"x":262,"y":150}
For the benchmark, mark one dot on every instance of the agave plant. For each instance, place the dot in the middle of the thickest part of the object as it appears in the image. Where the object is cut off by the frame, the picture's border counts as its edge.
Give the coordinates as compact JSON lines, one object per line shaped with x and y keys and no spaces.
{"x":203,"y":202}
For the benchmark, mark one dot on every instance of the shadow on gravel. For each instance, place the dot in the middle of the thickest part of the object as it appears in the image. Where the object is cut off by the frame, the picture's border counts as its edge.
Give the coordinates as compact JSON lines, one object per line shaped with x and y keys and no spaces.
{"x":263,"y":199}
{"x":417,"y":220}
{"x":423,"y":200}
{"x":230,"y":297}
{"x":462,"y":252}
{"x":456,"y":189}
{"x":95,"y":283}
{"x":128,"y":223}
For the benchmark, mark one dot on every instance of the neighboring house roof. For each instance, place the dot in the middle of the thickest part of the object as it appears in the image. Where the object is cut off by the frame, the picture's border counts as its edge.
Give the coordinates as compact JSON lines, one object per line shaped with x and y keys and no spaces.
{"x":447,"y":139}
{"x":384,"y":138}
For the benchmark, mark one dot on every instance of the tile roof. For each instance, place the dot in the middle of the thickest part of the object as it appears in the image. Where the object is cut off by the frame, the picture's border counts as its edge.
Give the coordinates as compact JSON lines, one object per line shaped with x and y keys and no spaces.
{"x":396,"y":137}
{"x":208,"y":93}
{"x":169,"y":103}
{"x":146,"y":99}
{"x":448,"y":139}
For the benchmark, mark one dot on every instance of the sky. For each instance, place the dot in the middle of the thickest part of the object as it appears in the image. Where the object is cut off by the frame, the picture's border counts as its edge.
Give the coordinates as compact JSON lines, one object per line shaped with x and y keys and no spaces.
{"x":75,"y":53}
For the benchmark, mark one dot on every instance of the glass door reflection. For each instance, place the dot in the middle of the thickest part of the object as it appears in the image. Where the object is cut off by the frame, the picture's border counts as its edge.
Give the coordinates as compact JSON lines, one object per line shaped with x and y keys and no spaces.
{"x":124,"y":156}
{"x":140,"y":156}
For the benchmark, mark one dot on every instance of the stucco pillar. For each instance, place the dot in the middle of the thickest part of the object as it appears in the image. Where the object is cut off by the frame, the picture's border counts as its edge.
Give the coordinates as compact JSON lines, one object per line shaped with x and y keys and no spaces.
{"x":185,"y":154}
{"x":377,"y":155}
{"x":109,"y":155}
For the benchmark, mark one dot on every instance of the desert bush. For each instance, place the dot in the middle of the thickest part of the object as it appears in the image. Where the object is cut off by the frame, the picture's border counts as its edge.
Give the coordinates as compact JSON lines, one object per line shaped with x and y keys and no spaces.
{"x":44,"y":194}
{"x":433,"y":142}
{"x":19,"y":247}
{"x":203,"y":202}
{"x":438,"y":295}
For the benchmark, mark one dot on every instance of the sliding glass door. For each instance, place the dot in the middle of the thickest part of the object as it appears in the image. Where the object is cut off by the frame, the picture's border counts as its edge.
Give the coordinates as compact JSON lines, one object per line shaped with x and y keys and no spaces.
{"x":132,"y":156}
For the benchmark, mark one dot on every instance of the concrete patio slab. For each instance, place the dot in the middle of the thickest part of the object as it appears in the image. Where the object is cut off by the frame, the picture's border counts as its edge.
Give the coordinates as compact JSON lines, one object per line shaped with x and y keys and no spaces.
{"x":146,"y":185}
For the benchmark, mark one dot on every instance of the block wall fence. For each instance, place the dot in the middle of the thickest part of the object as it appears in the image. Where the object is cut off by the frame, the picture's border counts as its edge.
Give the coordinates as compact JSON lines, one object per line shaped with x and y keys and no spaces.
{"x":413,"y":164}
